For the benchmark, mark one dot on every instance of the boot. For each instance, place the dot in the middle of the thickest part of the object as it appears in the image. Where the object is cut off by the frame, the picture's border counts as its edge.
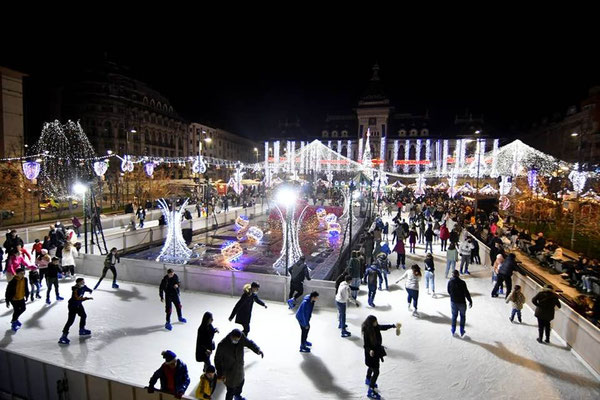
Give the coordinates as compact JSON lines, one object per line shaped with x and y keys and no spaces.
{"x":64,"y":340}
{"x":84,"y":332}
{"x":291,"y":303}
{"x":346,"y":334}
{"x":115,"y":286}
{"x":14,"y":326}
{"x":182,"y":320}
{"x":304,"y":349}
{"x":59,"y":298}
{"x":168,"y":326}
{"x":372,"y":394}
{"x":97,"y":284}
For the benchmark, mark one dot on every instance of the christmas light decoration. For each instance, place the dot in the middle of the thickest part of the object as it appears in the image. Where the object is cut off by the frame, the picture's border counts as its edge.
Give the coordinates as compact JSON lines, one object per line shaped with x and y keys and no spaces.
{"x":452,"y":186}
{"x":463,"y":152}
{"x":100,"y":168}
{"x":199,"y":166}
{"x":418,"y":156}
{"x":174,"y":251}
{"x":478,"y":165}
{"x":236,"y":180}
{"x":321,"y":213}
{"x":396,"y":149}
{"x":339,"y":151}
{"x":242,"y":222}
{"x":366,"y":159}
{"x":334,"y":229}
{"x":330,"y":218}
{"x":382,"y":149}
{"x":578,"y":179}
{"x":329,"y":176}
{"x":31,"y":169}
{"x":255,"y":234}
{"x":488,"y":190}
{"x":504,"y":203}
{"x":231,"y":251}
{"x":149,"y":168}
{"x":276,"y":157}
{"x":126,"y":164}
{"x":360,"y":149}
{"x":438,"y":158}
{"x":445,"y":158}
{"x":302,"y":159}
{"x":494,"y":169}
{"x":466,"y":188}
{"x":505,"y":185}
{"x":532,"y":179}
{"x":349,"y":153}
{"x":428,"y":154}
{"x":420,"y":190}
{"x":406,"y":154}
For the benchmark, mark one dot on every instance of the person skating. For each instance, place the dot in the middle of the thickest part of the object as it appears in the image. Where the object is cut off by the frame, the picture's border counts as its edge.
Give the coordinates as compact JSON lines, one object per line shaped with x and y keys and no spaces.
{"x":342,"y":297}
{"x":505,"y":272}
{"x":545,"y":302}
{"x":430,"y":274}
{"x":374,"y":351}
{"x":444,"y":236}
{"x":518,"y":299}
{"x":354,"y":272}
{"x":112,"y":258}
{"x":16,"y":294}
{"x":208,"y":383}
{"x":298,"y":272}
{"x":141,"y":214}
{"x":429,"y":239}
{"x":173,"y":376}
{"x":400,"y":254}
{"x":451,"y":259}
{"x":303,"y":316}
{"x":413,"y":236}
{"x":496,"y":268}
{"x":204,"y":340}
{"x":372,"y":274}
{"x":459,"y":294}
{"x":383,"y":264}
{"x":76,"y":308}
{"x":34,"y":282}
{"x":229,"y":362}
{"x":465,"y":256}
{"x":52,"y":272}
{"x":169,"y":288}
{"x":412,"y":276}
{"x":68,"y":259}
{"x":242,"y":311}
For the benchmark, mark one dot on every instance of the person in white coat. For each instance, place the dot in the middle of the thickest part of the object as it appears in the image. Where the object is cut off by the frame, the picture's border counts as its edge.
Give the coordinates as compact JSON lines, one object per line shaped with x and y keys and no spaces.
{"x":412,"y":276}
{"x":465,"y":255}
{"x":342,"y":297}
{"x":68,"y":259}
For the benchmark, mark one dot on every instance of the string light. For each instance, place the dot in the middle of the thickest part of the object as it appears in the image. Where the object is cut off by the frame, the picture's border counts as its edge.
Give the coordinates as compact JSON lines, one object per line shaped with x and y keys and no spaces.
{"x":396,"y":149}
{"x":406,"y":154}
{"x":149,"y":168}
{"x":494,"y":170}
{"x":199,"y":166}
{"x":418,"y":156}
{"x":452,"y":186}
{"x":532,"y":178}
{"x":420,"y":190}
{"x":445,"y":158}
{"x":578,"y":179}
{"x":428,"y":155}
{"x":505,"y":185}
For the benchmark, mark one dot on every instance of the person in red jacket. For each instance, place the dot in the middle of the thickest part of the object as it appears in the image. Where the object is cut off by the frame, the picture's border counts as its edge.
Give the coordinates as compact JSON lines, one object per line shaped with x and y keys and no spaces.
{"x":400,"y":254}
{"x":444,"y":236}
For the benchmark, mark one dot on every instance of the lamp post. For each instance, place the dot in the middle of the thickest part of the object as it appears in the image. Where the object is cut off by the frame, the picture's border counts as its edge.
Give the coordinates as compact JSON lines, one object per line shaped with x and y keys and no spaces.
{"x":81,"y":189}
{"x":256,"y":153}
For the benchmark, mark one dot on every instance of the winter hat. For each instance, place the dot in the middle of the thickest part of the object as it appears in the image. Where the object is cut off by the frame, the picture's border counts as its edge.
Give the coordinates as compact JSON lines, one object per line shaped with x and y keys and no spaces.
{"x":168,"y":355}
{"x":210,"y":369}
{"x":44,"y":251}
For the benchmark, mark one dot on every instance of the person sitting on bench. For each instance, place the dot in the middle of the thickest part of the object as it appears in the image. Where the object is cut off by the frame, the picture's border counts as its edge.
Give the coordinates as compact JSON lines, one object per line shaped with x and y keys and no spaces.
{"x":539,"y":245}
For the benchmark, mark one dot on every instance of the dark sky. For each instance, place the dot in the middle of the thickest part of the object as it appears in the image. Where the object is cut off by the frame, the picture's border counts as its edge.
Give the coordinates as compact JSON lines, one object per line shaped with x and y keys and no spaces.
{"x":247,"y":84}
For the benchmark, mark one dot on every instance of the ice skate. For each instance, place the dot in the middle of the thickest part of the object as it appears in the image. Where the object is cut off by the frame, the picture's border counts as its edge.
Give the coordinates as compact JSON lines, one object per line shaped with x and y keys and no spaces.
{"x":84,"y":332}
{"x":115,"y":286}
{"x":47,"y":301}
{"x":168,"y":326}
{"x":346,"y":334}
{"x":64,"y":340}
{"x":308,"y":344}
{"x":182,"y":320}
{"x":415,"y":313}
{"x":372,"y":394}
{"x":291,"y":304}
{"x":304,"y":350}
{"x":18,"y":323}
{"x":59,"y":298}
{"x":14,"y":326}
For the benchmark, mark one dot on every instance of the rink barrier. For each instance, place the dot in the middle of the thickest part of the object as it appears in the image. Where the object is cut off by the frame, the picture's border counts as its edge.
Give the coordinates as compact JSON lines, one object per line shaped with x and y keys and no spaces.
{"x":207,"y":280}
{"x":26,"y":377}
{"x":576,"y":331}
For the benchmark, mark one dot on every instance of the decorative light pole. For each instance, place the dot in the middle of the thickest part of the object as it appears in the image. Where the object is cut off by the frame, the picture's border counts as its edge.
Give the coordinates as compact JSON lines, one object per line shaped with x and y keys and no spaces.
{"x":290,"y":251}
{"x":81,"y":189}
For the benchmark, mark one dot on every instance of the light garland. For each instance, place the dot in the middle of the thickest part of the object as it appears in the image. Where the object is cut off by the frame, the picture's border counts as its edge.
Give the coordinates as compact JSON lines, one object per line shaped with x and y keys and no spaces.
{"x":578,"y":179}
{"x":396,"y":149}
{"x":505,"y":185}
{"x":406,"y":154}
{"x":199,"y":166}
{"x":31,"y":169}
{"x":438,"y":158}
{"x":428,"y":155}
{"x":487,"y":189}
{"x":276,"y":157}
{"x":466,"y":188}
{"x":504,"y":203}
{"x":382,"y":149}
{"x":478,"y":166}
{"x":494,"y":170}
{"x":174,"y":251}
{"x":236,"y":180}
{"x":445,"y":158}
{"x":126,"y":164}
{"x":242,"y":222}
{"x":452,"y":186}
{"x":420,"y":190}
{"x":366,"y":159}
{"x":100,"y":168}
{"x":418,"y":156}
{"x":532,"y":179}
{"x":360,"y":149}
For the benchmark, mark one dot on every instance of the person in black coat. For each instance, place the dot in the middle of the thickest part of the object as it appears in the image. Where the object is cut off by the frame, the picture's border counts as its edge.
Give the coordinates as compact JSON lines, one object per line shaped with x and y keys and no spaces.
{"x":505,"y":272}
{"x":12,"y":241}
{"x":170,"y":287}
{"x":16,"y":295}
{"x":544,"y":303}
{"x":298,"y":273}
{"x":475,"y":252}
{"x":204,"y":341}
{"x":243,"y":308}
{"x":459,"y":295}
{"x":173,"y":375}
{"x":374,"y":351}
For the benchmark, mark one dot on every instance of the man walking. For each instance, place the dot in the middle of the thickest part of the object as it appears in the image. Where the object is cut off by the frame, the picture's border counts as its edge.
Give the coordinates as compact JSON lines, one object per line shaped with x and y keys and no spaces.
{"x":169,"y":286}
{"x":303,"y":316}
{"x":75,"y":309}
{"x":229,"y":362}
{"x":298,"y":272}
{"x":457,"y":289}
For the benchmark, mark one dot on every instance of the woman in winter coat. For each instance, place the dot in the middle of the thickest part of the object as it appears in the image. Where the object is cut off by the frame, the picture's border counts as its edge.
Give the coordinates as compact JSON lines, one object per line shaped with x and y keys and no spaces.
{"x":374,"y":352}
{"x":243,"y":308}
{"x":451,"y":258}
{"x":15,"y":261}
{"x":544,"y":303}
{"x":412,"y":239}
{"x":68,"y":259}
{"x":400,"y":254}
{"x":444,"y":236}
{"x":204,"y":341}
{"x":412,"y":276}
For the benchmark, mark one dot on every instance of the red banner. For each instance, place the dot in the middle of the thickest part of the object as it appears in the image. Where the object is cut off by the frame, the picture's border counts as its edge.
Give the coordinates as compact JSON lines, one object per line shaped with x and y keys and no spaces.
{"x":412,"y":162}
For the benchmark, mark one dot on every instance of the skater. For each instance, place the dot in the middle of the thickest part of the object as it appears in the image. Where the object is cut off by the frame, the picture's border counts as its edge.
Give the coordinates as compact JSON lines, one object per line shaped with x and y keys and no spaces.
{"x":412,"y":276}
{"x":430,"y":274}
{"x":76,"y":225}
{"x":111,"y":259}
{"x":52,"y":279}
{"x":12,"y":241}
{"x":354,"y":271}
{"x":372,"y":274}
{"x":208,"y":383}
{"x":444,"y":236}
{"x":400,"y":254}
{"x":303,"y":316}
{"x":204,"y":341}
{"x":173,"y":375}
{"x":229,"y":362}
{"x":383,"y":265}
{"x":386,"y":230}
{"x":412,"y":239}
{"x":457,"y":289}
{"x":451,"y":259}
{"x":243,"y":308}
{"x":170,"y":287}
{"x":16,"y":294}
{"x":76,"y":308}
{"x":342,"y":297}
{"x":37,"y":248}
{"x":374,"y":351}
{"x":465,"y":256}
{"x":475,"y":252}
{"x":298,"y":272}
{"x":14,"y":262}
{"x":518,"y":299}
{"x":429,"y":239}
{"x":495,"y":268}
{"x":42,"y":262}
{"x":68,"y":259}
{"x":505,"y":272}
{"x":34,"y":282}
{"x":544,"y":303}
{"x":141,"y":214}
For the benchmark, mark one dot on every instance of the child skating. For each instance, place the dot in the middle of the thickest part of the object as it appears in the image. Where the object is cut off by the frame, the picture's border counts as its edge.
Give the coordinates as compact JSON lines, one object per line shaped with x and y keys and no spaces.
{"x":111,"y":260}
{"x":518,"y":299}
{"x":75,"y":309}
{"x":170,"y":287}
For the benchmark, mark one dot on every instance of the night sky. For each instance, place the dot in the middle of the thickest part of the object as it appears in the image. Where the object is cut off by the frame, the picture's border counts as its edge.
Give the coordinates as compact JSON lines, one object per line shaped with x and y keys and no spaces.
{"x":248,"y":84}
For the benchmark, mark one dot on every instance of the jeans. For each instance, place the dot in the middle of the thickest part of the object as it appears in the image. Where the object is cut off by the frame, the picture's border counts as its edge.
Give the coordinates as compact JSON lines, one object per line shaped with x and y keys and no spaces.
{"x":401,"y":260}
{"x":75,"y":310}
{"x":372,"y":292}
{"x":18,"y":309}
{"x":430,"y":246}
{"x":430,"y":276}
{"x":355,"y":283}
{"x":296,"y":290}
{"x":464,"y":262}
{"x":456,"y":309}
{"x":443,"y":243}
{"x":502,"y":278}
{"x":172,"y":300}
{"x":450,"y":266}
{"x":341,"y":315}
{"x":515,"y":311}
{"x":49,"y":283}
{"x":304,"y":335}
{"x":104,"y":271}
{"x":543,"y":327}
{"x":234,"y":391}
{"x":384,"y":277}
{"x":35,"y":289}
{"x":414,"y":296}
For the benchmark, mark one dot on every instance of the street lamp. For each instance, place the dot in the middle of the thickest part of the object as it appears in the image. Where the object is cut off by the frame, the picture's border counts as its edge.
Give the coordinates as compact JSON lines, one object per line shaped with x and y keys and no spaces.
{"x":287,"y":197}
{"x":256,"y":152}
{"x":81,"y":189}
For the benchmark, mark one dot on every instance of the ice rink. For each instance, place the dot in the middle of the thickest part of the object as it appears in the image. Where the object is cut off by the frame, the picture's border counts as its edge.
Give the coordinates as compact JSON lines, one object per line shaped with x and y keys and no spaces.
{"x":496,"y":359}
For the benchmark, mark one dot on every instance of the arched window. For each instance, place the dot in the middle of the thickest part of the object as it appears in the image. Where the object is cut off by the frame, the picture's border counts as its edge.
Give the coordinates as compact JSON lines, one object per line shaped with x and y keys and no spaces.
{"x":413,"y":132}
{"x":152,"y":103}
{"x":402,"y":132}
{"x":145,"y":100}
{"x":325,"y":134}
{"x":334,"y":134}
{"x":425,"y":132}
{"x":158,"y":105}
{"x":344,"y":133}
{"x":171,"y":109}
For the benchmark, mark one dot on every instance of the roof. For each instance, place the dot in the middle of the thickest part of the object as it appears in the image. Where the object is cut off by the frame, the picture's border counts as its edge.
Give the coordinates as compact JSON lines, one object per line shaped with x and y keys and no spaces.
{"x":374,"y":91}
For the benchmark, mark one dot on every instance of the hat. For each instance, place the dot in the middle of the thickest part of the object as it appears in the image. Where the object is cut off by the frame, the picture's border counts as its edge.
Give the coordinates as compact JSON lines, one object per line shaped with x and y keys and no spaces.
{"x":168,"y":355}
{"x":210,"y":369}
{"x":20,"y":269}
{"x":44,"y":251}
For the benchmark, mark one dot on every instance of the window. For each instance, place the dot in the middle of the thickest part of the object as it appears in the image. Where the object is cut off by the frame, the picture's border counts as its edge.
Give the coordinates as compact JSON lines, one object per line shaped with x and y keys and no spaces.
{"x":344,"y":133}
{"x":325,"y":133}
{"x":145,"y":100}
{"x":413,"y":132}
{"x":152,"y":103}
{"x":402,"y":132}
{"x":425,"y":132}
{"x":334,"y":134}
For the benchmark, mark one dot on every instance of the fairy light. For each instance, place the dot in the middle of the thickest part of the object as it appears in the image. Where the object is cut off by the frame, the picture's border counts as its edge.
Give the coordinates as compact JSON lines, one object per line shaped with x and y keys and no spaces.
{"x":360,"y":149}
{"x":445,"y":158}
{"x":236,"y":180}
{"x":174,"y":251}
{"x":494,"y":169}
{"x":396,"y":149}
{"x":427,"y":154}
{"x":242,"y":222}
{"x":488,"y":190}
{"x":199,"y":166}
{"x":505,"y":185}
{"x":276,"y":157}
{"x":349,"y":152}
{"x":31,"y":169}
{"x":100,"y":168}
{"x":406,"y":154}
{"x":420,"y":189}
{"x":532,"y":179}
{"x":438,"y":158}
{"x":578,"y":179}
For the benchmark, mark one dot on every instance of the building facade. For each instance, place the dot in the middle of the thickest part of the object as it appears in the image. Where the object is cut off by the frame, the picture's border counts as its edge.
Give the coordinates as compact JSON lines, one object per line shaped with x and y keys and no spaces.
{"x":11,"y":113}
{"x":219,"y":143}
{"x":573,"y":136}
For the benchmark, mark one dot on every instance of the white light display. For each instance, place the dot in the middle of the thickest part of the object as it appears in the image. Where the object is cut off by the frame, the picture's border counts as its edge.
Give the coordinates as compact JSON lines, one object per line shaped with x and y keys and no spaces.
{"x":494,"y":169}
{"x":382,"y":149}
{"x":406,"y":155}
{"x":418,"y":156}
{"x":396,"y":149}
{"x":478,"y":166}
{"x":126,"y":164}
{"x":236,"y":180}
{"x":174,"y":251}
{"x":349,"y":153}
{"x":360,"y":149}
{"x":31,"y":169}
{"x":276,"y":157}
{"x":428,"y":155}
{"x":578,"y":179}
{"x":532,"y":179}
{"x":452,"y":186}
{"x":255,"y":234}
{"x":149,"y":168}
{"x":100,"y":168}
{"x":488,"y":190}
{"x":505,"y":185}
{"x":366,"y":159}
{"x":199,"y":166}
{"x":445,"y":158}
{"x":420,"y":190}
